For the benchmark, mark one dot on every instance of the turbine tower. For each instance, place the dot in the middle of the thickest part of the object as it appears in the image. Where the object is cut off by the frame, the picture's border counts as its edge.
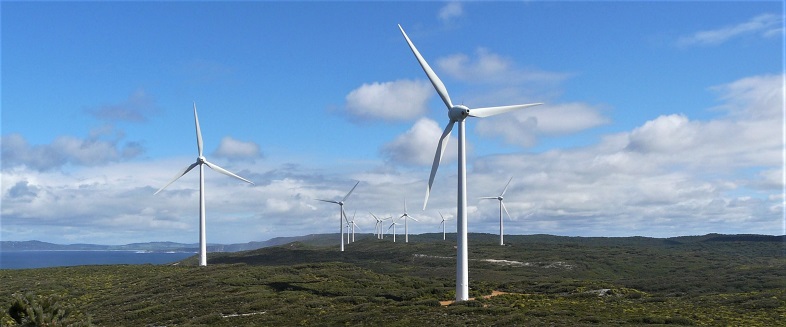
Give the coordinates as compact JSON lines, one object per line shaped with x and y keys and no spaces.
{"x":501,"y":206}
{"x":456,"y":114}
{"x":341,"y":215}
{"x":199,"y":162}
{"x":406,"y":219}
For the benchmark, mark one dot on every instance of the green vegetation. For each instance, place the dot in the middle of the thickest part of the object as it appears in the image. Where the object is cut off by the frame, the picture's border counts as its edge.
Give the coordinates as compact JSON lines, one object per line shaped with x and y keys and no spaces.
{"x":713,"y":280}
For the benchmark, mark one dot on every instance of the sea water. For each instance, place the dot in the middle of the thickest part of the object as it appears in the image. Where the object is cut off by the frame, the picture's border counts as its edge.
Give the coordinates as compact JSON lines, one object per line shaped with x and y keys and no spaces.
{"x":43,"y":259}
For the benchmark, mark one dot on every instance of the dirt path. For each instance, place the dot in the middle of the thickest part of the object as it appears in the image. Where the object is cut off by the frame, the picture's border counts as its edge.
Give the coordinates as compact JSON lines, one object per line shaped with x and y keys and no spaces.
{"x":493,"y":293}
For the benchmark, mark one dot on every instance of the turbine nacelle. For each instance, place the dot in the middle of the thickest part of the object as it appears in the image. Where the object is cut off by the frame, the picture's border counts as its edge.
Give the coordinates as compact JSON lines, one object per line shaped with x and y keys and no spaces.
{"x":458,"y":113}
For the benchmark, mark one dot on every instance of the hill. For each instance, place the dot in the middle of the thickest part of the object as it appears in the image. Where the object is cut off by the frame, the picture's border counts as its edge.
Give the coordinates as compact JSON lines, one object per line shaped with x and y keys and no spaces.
{"x":149,"y":246}
{"x":543,"y":280}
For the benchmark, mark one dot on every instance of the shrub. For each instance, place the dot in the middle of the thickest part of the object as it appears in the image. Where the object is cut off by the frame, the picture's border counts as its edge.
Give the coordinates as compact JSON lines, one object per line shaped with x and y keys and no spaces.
{"x":679,"y":321}
{"x":32,"y":310}
{"x":428,"y":303}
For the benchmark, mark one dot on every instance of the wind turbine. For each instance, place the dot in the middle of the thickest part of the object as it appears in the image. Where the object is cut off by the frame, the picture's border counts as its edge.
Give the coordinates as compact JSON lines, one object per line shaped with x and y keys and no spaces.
{"x":378,"y":228}
{"x":199,"y":162}
{"x":457,"y":114}
{"x":341,"y":216}
{"x":393,"y":225}
{"x":442,"y":224}
{"x":406,"y":219}
{"x":351,"y":225}
{"x":501,"y":206}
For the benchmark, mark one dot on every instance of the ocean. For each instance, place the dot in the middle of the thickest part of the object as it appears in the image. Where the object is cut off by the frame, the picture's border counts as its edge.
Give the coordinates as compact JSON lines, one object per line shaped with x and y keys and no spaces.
{"x":43,"y":259}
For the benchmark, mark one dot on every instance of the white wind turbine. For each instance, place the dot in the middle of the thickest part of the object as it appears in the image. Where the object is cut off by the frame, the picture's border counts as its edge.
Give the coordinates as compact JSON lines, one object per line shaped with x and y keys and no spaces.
{"x":501,"y":206}
{"x":442,"y":224}
{"x":351,"y":225}
{"x":341,"y":216}
{"x":406,"y":217}
{"x":199,"y":162}
{"x":393,"y":225}
{"x":457,"y":114}
{"x":378,"y":228}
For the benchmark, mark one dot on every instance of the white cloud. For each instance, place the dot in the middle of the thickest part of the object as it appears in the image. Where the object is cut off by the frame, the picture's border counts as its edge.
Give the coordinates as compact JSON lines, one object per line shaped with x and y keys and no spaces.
{"x":523,"y":127}
{"x":450,"y":11}
{"x":667,"y":134}
{"x":491,"y":68}
{"x":764,"y":25}
{"x":136,"y":108}
{"x":392,"y":101}
{"x":418,"y":145}
{"x":234,"y":149}
{"x":102,"y":146}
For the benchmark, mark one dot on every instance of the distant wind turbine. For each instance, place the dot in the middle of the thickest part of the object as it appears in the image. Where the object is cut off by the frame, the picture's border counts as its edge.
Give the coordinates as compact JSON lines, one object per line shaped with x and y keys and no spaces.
{"x":199,"y":162}
{"x":406,"y":217}
{"x":501,"y":206}
{"x":457,"y":114}
{"x":378,"y":228}
{"x":393,"y":225}
{"x":442,"y":224}
{"x":351,"y":225}
{"x":342,"y":216}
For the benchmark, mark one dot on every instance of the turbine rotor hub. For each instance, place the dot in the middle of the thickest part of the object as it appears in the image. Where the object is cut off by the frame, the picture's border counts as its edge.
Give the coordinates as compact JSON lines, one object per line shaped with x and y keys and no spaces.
{"x":201,"y":159}
{"x":499,"y":198}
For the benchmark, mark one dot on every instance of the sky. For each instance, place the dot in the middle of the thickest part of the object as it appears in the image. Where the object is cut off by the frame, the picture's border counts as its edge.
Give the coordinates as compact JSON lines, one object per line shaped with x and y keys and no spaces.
{"x":660,"y":118}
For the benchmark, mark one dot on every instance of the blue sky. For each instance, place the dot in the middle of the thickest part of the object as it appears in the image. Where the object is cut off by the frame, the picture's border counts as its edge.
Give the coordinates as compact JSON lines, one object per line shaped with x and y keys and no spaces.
{"x":661,"y":118}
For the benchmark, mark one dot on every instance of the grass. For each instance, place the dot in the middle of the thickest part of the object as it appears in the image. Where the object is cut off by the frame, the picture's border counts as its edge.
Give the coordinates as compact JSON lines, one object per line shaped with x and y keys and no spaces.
{"x":683,"y":281}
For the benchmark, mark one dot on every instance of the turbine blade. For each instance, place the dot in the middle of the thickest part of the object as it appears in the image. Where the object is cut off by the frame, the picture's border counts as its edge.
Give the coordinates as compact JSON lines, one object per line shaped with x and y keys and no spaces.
{"x":491,"y":111}
{"x":226,"y":172}
{"x":329,"y":201}
{"x":198,"y":131}
{"x":506,"y":187}
{"x":443,"y":142}
{"x":180,"y":174}
{"x":350,"y":191}
{"x":488,"y":197}
{"x":506,"y":210}
{"x":413,"y":218}
{"x":438,"y":85}
{"x":441,"y":216}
